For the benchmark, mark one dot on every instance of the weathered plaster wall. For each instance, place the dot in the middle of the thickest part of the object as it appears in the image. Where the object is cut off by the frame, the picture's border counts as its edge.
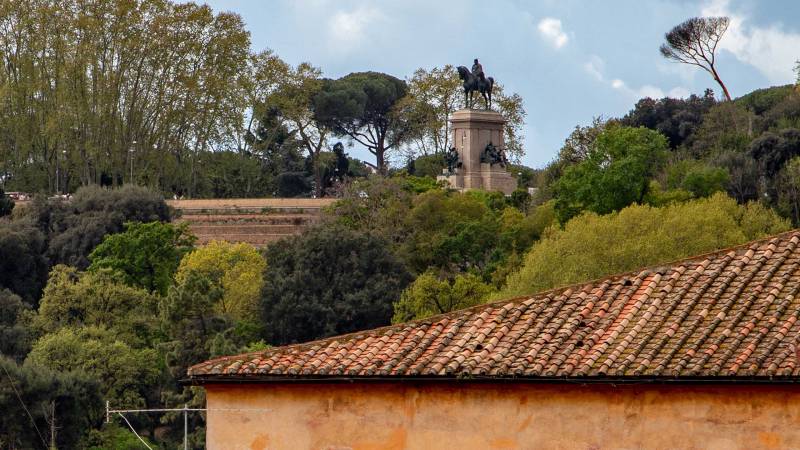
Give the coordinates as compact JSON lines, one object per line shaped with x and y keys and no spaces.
{"x":366,"y":416}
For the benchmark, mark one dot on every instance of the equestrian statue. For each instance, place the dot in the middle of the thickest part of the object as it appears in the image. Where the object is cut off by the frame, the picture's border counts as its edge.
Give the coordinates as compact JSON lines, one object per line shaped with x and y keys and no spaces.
{"x":476,"y":81}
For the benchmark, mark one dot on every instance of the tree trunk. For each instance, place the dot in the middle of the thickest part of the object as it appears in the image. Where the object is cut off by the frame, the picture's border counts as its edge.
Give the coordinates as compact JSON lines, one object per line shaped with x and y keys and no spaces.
{"x":721,"y":84}
{"x":317,"y":174}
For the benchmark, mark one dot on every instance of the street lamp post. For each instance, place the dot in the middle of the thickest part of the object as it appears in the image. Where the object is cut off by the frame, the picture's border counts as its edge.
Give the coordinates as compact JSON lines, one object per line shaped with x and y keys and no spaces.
{"x":131,"y":151}
{"x":58,"y":171}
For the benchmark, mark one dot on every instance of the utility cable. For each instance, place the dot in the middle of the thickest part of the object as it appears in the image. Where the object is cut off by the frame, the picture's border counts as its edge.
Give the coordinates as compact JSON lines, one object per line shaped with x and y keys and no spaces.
{"x":19,"y":397}
{"x":134,"y":431}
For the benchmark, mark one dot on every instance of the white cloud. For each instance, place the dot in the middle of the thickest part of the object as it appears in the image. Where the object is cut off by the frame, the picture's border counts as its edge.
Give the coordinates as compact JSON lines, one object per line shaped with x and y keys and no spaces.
{"x":771,"y":50}
{"x":595,"y":67}
{"x":648,"y":90}
{"x":347,"y":29}
{"x":679,"y":92}
{"x":552,"y":32}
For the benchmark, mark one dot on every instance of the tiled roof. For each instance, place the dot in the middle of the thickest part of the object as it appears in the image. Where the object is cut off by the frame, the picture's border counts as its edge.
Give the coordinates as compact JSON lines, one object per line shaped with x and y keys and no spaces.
{"x":729,"y":314}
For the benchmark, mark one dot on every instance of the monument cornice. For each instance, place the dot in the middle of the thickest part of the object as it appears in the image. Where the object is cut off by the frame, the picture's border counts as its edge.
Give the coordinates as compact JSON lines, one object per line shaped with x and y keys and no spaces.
{"x":477,"y":116}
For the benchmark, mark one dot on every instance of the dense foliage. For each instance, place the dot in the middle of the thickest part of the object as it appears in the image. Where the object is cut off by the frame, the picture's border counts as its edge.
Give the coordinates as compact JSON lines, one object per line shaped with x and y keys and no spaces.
{"x":591,"y":246}
{"x":145,"y":254}
{"x":615,"y":173}
{"x":329,"y":281}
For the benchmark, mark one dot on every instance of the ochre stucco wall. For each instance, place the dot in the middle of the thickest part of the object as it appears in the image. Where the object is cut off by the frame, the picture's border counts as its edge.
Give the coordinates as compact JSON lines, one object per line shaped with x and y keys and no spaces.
{"x":462,"y":416}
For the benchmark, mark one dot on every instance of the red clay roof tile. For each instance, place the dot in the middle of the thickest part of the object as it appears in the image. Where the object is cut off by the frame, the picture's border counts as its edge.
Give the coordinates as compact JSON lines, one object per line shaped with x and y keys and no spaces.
{"x":733,"y":313}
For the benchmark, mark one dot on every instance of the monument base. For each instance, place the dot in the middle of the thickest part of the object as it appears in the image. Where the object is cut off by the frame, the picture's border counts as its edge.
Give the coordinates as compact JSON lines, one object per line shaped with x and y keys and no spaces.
{"x":490,"y":178}
{"x":496,"y":178}
{"x":473,"y":132}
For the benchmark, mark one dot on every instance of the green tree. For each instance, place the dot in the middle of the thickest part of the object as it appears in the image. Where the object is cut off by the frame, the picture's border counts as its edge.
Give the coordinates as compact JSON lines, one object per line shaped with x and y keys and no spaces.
{"x":426,"y":165}
{"x":71,"y":118}
{"x":194,"y":331}
{"x":726,"y":127}
{"x":615,"y":173}
{"x":328,"y":281}
{"x":675,"y":118}
{"x":236,"y":269}
{"x":100,"y":298}
{"x":73,"y":229}
{"x":72,"y":397}
{"x":16,"y":335}
{"x":23,"y":268}
{"x":592,"y":246}
{"x":293,"y":97}
{"x":743,"y":175}
{"x":701,"y":180}
{"x":116,"y":436}
{"x":362,"y":106}
{"x":194,"y":328}
{"x":146,"y":254}
{"x":377,"y":205}
{"x":773,"y":150}
{"x":449,"y":231}
{"x":428,"y":295}
{"x":127,"y":374}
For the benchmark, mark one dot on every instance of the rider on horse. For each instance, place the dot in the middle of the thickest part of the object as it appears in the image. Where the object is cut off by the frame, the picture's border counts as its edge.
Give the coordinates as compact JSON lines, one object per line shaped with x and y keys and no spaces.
{"x":476,"y":81}
{"x":477,"y":69}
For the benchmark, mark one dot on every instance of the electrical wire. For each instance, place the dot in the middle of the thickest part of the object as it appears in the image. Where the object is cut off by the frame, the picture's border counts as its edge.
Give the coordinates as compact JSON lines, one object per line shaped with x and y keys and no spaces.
{"x":134,"y":431}
{"x":19,"y":397}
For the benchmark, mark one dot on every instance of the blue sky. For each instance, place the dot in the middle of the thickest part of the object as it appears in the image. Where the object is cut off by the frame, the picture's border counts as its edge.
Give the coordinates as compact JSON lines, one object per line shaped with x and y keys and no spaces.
{"x":570,"y":60}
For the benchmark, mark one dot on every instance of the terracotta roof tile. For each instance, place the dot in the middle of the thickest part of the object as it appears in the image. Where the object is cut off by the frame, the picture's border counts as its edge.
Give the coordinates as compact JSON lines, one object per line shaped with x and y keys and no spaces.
{"x":733,"y":313}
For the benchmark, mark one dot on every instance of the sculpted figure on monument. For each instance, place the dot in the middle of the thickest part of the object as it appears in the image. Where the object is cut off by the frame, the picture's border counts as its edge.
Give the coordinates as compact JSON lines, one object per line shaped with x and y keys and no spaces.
{"x":493,"y":155}
{"x":451,"y":158}
{"x":476,"y":81}
{"x":477,"y":69}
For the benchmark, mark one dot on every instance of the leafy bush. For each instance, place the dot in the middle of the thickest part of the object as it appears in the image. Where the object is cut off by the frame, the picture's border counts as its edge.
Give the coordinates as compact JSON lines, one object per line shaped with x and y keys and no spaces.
{"x":328,"y":281}
{"x":428,"y":295}
{"x":592,"y":246}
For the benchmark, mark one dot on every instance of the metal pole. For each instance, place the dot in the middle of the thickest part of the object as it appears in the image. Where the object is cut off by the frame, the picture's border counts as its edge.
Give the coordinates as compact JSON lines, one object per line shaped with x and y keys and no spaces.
{"x":131,"y":151}
{"x":53,"y":425}
{"x":185,"y":427}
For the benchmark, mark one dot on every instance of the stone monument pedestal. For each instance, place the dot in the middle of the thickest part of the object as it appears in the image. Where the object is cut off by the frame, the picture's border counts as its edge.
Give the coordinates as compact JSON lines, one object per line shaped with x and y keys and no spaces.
{"x":473,"y":130}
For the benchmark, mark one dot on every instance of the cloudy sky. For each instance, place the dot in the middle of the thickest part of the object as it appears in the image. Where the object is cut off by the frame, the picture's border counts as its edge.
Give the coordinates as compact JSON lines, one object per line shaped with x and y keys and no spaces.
{"x":570,"y":60}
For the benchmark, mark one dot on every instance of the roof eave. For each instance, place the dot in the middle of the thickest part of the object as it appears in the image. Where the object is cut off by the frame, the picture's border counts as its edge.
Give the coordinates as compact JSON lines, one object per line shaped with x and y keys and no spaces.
{"x":200,"y":380}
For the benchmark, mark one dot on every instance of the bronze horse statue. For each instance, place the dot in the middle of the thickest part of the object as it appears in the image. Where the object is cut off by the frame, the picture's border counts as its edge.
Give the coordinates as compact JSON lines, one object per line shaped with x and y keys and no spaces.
{"x":474,"y":84}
